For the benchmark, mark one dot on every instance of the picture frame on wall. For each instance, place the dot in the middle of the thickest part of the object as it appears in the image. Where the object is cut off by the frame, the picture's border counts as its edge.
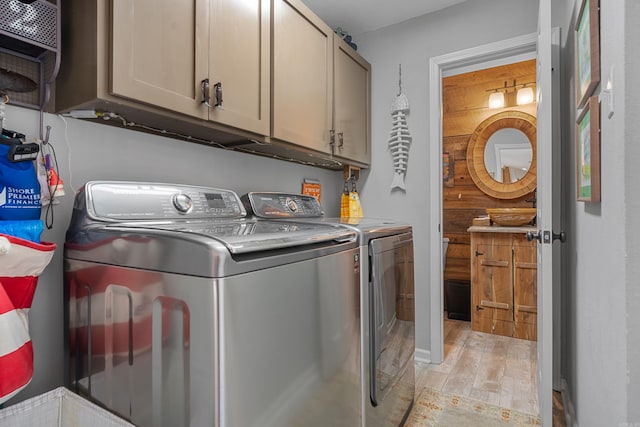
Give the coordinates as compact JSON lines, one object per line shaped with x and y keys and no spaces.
{"x":448,"y":168}
{"x":588,"y":151}
{"x":587,"y":50}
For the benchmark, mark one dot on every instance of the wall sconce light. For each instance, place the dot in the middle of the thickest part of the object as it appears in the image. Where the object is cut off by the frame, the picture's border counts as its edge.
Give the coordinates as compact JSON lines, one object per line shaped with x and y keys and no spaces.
{"x":496,"y":100}
{"x":524,"y":96}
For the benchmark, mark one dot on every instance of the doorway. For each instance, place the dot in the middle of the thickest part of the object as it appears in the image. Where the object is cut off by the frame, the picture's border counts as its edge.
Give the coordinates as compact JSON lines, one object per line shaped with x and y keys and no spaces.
{"x":495,"y":54}
{"x":507,"y":157}
{"x":546,"y":44}
{"x":500,"y":342}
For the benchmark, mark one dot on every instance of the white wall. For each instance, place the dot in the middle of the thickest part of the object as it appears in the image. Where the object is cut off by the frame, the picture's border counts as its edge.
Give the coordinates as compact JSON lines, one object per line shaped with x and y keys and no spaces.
{"x":599,"y":311}
{"x":89,"y":151}
{"x":632,"y":191}
{"x":412,"y":44}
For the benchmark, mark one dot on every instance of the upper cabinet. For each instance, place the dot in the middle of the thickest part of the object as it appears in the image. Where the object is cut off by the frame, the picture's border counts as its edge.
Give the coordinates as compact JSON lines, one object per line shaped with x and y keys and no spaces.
{"x":302,"y":100}
{"x":321,"y":86}
{"x":205,"y":59}
{"x":352,"y":103}
{"x":233,"y":73}
{"x":176,"y":55}
{"x":159,"y":53}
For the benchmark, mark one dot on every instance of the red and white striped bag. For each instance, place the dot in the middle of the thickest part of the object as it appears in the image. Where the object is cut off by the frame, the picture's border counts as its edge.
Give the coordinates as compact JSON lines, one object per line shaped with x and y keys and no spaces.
{"x":21,"y":261}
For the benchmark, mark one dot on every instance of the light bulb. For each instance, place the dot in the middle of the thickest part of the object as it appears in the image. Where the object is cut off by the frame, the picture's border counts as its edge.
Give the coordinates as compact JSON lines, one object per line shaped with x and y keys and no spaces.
{"x":496,"y":100}
{"x":524,"y":96}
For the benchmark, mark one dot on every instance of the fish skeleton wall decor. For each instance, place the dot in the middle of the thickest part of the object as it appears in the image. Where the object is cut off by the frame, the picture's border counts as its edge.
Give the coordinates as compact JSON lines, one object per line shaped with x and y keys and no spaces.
{"x":399,"y":139}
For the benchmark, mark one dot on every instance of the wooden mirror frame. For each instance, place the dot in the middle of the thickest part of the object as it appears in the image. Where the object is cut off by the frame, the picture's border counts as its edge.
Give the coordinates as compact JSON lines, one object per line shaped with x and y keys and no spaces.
{"x":526,"y":123}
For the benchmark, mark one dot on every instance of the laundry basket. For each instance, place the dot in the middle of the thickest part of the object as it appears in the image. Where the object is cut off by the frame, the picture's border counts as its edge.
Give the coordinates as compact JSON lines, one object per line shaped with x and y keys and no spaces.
{"x":60,"y":408}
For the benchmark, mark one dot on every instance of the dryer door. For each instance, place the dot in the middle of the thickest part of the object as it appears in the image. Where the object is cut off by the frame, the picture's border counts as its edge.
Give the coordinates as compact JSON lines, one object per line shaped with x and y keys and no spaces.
{"x":392,"y":320}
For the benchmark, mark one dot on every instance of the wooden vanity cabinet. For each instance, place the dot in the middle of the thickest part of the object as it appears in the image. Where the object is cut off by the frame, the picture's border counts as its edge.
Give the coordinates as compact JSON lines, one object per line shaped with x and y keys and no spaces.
{"x":321,"y":93}
{"x":503,"y":282}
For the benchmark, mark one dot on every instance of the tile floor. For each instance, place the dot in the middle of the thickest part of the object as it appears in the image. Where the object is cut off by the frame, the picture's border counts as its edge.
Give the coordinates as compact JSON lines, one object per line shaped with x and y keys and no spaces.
{"x":490,"y":368}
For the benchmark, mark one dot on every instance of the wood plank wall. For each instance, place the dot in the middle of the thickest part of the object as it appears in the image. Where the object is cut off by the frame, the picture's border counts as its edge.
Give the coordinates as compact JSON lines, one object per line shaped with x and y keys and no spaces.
{"x":465,"y":105}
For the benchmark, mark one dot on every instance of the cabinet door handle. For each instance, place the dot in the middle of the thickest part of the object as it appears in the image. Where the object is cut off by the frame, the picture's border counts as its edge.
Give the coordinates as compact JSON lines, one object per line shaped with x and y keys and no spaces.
{"x":340,"y":139}
{"x":217,"y":95}
{"x":479,"y":253}
{"x":332,"y":139}
{"x":204,"y":87}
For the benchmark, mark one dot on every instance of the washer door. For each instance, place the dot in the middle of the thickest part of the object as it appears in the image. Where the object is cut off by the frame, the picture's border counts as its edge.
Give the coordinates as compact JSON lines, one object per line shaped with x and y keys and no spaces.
{"x":289,"y":343}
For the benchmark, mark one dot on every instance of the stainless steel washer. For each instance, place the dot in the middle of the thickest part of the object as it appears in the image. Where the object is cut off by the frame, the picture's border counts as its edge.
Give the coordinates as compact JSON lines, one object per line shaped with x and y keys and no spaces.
{"x":181,"y":311}
{"x":387,"y":304}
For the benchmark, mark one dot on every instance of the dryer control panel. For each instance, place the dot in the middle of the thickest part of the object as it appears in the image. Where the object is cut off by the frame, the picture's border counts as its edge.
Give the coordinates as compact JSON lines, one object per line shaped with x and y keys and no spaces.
{"x":282,"y":205}
{"x":132,"y":201}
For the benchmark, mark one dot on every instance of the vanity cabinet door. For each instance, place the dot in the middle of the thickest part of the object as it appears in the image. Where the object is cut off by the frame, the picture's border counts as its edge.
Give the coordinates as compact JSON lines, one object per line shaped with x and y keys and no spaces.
{"x":504,"y":284}
{"x":491,"y":282}
{"x":525,"y":289}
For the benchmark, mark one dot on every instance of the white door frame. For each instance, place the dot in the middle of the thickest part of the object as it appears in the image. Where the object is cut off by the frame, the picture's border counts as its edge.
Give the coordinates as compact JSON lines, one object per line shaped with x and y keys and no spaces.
{"x":438,"y":66}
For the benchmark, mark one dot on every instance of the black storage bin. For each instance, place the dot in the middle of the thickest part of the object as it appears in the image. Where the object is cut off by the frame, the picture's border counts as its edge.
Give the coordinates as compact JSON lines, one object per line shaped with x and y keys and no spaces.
{"x":458,"y":299}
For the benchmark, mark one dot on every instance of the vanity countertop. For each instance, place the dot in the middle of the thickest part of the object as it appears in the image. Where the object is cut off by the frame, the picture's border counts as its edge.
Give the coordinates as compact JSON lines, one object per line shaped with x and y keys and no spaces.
{"x":500,"y":229}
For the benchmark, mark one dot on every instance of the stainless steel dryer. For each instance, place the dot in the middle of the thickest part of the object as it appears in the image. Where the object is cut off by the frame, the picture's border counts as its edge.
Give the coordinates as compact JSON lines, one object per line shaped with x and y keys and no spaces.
{"x":387,"y":304}
{"x":182,"y":312}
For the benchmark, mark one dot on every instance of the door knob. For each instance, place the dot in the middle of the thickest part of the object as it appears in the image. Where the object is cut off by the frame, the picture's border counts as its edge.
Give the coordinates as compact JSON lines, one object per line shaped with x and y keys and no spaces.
{"x":531,"y":235}
{"x":562,"y":236}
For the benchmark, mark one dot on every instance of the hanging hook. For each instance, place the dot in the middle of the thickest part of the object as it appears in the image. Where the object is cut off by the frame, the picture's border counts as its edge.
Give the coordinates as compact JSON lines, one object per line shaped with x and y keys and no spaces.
{"x":3,"y":103}
{"x":46,"y":137}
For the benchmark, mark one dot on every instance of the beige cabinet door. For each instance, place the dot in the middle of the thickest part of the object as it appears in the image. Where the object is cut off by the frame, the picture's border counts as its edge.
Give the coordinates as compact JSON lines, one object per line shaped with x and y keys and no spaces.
{"x":302,"y":76}
{"x":159,"y":52}
{"x":240,"y":63}
{"x":352,"y":101}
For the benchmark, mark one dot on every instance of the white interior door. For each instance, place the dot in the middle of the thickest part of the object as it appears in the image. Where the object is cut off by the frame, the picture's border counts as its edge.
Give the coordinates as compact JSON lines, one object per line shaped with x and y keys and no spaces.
{"x":548,"y":195}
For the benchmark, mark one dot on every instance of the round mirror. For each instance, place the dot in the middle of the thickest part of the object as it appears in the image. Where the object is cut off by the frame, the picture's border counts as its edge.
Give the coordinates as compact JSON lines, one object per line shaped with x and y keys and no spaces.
{"x":508,"y":155}
{"x":501,"y":155}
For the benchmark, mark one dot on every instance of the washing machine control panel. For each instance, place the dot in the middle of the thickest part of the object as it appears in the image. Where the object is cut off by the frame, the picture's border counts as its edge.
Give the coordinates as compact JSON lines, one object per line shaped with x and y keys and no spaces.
{"x":129,"y":201}
{"x":282,"y":205}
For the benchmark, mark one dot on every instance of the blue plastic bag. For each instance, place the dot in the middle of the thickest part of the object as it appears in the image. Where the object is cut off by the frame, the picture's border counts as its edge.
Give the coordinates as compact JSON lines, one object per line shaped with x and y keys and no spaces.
{"x":19,"y":187}
{"x":25,"y":229}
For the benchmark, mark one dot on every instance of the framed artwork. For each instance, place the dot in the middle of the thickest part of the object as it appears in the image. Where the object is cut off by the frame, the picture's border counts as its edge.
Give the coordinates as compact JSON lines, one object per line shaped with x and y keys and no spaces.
{"x":588,"y":152}
{"x":447,"y":169}
{"x":587,"y":50}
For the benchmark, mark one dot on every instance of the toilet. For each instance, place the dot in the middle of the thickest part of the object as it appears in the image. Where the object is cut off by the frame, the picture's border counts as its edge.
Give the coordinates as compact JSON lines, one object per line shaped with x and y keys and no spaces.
{"x":445,"y":245}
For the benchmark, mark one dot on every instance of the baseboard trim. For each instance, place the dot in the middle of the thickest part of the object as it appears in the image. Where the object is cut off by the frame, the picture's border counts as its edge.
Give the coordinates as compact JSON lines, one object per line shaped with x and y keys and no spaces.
{"x":567,"y":403}
{"x":422,"y":355}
